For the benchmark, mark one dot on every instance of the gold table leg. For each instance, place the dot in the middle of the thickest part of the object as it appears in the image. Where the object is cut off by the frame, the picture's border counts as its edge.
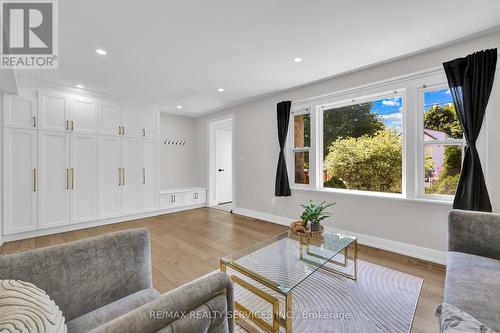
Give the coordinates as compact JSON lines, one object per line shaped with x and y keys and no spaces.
{"x":354,"y":258}
{"x":288,"y":313}
{"x":285,"y":322}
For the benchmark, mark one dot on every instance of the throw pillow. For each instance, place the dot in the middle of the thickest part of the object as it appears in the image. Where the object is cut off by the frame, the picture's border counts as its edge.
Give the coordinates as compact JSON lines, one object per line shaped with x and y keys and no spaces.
{"x":26,"y":308}
{"x":454,"y":320}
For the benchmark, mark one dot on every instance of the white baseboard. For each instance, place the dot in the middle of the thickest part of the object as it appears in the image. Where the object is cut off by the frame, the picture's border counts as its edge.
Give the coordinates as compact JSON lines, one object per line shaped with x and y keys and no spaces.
{"x":71,"y":227}
{"x":406,"y":249}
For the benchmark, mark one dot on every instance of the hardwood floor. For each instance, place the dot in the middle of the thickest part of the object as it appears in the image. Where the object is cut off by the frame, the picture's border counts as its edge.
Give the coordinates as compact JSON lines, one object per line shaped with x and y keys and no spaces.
{"x":189,"y":244}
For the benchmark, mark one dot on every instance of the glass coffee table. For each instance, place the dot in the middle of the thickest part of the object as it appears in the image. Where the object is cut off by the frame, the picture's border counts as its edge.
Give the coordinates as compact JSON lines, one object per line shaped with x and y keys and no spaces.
{"x":281,"y":263}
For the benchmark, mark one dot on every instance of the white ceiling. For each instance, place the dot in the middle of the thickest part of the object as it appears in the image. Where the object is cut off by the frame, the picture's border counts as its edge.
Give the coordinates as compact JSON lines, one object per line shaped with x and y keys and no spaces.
{"x":179,"y":52}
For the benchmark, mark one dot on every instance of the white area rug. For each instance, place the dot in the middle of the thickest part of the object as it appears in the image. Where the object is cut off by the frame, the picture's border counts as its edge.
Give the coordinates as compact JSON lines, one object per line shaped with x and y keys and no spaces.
{"x":380,"y":301}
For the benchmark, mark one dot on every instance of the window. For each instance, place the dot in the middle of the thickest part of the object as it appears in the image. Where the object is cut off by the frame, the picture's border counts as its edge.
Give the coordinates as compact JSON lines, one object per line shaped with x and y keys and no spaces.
{"x":443,"y":142}
{"x":396,"y":138}
{"x":301,"y":147}
{"x":363,"y":144}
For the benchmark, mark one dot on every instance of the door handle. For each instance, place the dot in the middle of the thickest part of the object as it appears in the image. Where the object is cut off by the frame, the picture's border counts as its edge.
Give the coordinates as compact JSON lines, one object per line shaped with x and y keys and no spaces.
{"x":34,"y":180}
{"x":119,"y":176}
{"x":34,"y":121}
{"x":72,"y":125}
{"x":143,"y":132}
{"x":123,"y":130}
{"x":143,"y":175}
{"x":119,"y":130}
{"x":67,"y":178}
{"x":123,"y":176}
{"x":72,"y":178}
{"x":67,"y":125}
{"x":220,"y":170}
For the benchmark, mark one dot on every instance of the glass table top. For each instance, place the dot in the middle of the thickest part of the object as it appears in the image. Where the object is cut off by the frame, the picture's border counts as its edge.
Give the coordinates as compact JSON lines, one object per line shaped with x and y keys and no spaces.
{"x":284,"y":261}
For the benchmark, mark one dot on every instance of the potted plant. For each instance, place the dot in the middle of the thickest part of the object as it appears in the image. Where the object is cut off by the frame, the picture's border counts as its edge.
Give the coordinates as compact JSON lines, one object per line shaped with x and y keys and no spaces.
{"x":314,"y":213}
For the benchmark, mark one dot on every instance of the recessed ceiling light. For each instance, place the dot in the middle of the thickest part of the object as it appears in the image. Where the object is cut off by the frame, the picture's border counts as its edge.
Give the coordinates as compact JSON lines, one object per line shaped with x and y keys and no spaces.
{"x":79,"y":86}
{"x":220,"y":89}
{"x":101,"y":52}
{"x":297,"y":59}
{"x":179,"y":106}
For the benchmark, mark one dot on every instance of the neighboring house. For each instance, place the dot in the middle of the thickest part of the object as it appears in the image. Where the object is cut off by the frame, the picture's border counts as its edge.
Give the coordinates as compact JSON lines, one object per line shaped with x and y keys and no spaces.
{"x":436,"y":152}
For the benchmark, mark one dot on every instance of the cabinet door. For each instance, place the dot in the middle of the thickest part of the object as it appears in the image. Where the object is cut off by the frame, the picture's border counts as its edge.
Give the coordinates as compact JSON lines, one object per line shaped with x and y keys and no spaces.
{"x":150,"y":177}
{"x":19,"y":112}
{"x":110,"y":119}
{"x":54,"y":179}
{"x":132,"y":122}
{"x":83,"y":115}
{"x":83,"y":174}
{"x":132,"y":175}
{"x":110,"y":164}
{"x":171,"y":200}
{"x":53,"y":111}
{"x":150,"y":124}
{"x":20,"y":196}
{"x":195,"y":197}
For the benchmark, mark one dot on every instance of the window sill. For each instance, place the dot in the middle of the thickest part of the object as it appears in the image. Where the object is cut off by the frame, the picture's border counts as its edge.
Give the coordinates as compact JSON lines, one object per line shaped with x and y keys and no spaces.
{"x":377,"y":195}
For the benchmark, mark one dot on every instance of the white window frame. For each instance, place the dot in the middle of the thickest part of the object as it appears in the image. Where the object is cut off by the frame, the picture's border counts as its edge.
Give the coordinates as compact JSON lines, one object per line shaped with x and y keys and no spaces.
{"x":421,"y":143}
{"x":396,"y":93}
{"x":292,"y":150}
{"x":411,"y":87}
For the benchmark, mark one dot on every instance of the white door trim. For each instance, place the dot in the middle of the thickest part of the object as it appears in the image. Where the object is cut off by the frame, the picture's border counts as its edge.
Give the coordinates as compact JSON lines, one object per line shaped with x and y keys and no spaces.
{"x":211,"y":123}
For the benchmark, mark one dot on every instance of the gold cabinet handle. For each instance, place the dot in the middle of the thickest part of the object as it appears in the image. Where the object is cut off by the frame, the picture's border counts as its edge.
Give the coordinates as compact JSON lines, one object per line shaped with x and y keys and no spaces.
{"x":34,"y":180}
{"x":34,"y":121}
{"x":123,"y":176}
{"x":72,"y":125}
{"x":143,"y":175}
{"x":67,"y":125}
{"x":123,"y":130}
{"x":67,"y":179}
{"x":119,"y":176}
{"x":72,"y":178}
{"x":119,"y":130}
{"x":144,"y":132}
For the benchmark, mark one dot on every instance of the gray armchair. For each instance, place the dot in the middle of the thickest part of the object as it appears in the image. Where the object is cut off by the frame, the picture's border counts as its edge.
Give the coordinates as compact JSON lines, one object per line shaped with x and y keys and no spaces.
{"x":473,"y":265}
{"x":104,"y":284}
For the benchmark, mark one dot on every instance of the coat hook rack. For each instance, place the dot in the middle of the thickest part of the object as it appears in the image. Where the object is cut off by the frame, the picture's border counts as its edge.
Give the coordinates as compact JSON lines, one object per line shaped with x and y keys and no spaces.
{"x":174,"y":142}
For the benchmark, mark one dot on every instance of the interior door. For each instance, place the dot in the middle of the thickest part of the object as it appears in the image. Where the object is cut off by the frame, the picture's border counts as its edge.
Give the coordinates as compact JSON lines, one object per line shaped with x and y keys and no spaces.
{"x":132,"y":175}
{"x":223,"y":166}
{"x":83,"y":175}
{"x":83,"y":115}
{"x":110,"y":119}
{"x":110,"y":188}
{"x":19,"y":111}
{"x":53,"y":179}
{"x":20,"y":180}
{"x":53,"y":111}
{"x":150,"y":179}
{"x":150,"y":122}
{"x":132,"y":122}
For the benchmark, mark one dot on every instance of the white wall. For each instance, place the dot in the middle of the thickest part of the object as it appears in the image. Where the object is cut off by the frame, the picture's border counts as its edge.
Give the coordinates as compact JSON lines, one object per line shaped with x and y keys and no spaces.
{"x":421,"y":224}
{"x":179,"y":165}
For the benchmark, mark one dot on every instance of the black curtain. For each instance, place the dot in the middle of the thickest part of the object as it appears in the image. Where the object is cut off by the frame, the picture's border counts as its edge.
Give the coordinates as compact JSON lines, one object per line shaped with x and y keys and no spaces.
{"x":282,"y":187}
{"x":470,"y":80}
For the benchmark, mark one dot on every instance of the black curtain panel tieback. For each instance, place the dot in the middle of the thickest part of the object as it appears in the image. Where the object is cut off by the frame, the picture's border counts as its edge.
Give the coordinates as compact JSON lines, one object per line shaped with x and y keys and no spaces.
{"x":470,"y":80}
{"x":282,"y":186}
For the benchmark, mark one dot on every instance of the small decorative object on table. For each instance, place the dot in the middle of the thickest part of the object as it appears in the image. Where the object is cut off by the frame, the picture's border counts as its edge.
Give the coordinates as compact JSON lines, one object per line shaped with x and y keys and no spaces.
{"x":313,"y":214}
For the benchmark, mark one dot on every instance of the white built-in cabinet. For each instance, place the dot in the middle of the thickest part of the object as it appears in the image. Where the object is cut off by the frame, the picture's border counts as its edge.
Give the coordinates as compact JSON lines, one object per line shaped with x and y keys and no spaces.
{"x":72,"y":159}
{"x":83,"y":178}
{"x":132,"y":175}
{"x":53,"y":179}
{"x":20,"y":180}
{"x":110,"y":176}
